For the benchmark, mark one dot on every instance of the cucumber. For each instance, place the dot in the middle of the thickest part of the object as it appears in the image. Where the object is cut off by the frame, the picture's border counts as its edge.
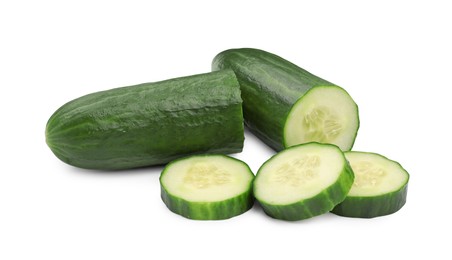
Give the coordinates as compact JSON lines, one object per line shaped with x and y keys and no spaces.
{"x":303,"y":181}
{"x":207,"y":187}
{"x":285,"y":105}
{"x":379,"y":189}
{"x":149,"y":124}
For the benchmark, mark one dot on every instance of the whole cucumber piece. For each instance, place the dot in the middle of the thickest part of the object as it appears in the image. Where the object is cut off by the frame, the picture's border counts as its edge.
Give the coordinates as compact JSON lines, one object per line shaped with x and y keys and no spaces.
{"x":149,"y":124}
{"x":285,"y":105}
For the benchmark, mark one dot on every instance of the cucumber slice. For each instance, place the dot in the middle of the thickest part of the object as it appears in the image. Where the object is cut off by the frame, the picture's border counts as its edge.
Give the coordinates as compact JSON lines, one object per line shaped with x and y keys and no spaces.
{"x":207,"y":187}
{"x":303,"y":181}
{"x":379,"y":189}
{"x":323,"y":115}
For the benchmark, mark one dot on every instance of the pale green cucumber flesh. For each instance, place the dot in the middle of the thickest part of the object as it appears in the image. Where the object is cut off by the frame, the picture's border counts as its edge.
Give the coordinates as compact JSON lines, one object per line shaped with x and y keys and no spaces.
{"x":207,"y":187}
{"x":325,"y":114}
{"x":379,"y":189}
{"x":303,"y":181}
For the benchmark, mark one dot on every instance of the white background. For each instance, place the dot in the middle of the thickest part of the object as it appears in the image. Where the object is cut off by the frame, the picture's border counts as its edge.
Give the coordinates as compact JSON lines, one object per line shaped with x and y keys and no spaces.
{"x":393,"y":57}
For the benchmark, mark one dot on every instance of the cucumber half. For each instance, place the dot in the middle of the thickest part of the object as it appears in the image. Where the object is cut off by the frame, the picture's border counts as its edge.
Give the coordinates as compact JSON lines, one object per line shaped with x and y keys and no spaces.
{"x":303,"y":181}
{"x":379,"y":189}
{"x":207,"y":187}
{"x":285,"y":105}
{"x":323,"y":115}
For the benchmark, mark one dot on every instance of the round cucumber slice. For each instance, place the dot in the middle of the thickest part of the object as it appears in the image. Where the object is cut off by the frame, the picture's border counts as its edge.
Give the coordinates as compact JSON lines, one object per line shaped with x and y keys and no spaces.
{"x":207,"y":187}
{"x":325,"y":114}
{"x":303,"y":181}
{"x":379,"y":189}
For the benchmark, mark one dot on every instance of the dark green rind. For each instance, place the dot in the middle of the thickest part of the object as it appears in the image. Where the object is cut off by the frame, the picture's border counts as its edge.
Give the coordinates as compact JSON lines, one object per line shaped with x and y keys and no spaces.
{"x":217,"y":210}
{"x":373,"y":206}
{"x":149,"y":124}
{"x":208,"y":210}
{"x":270,"y":87}
{"x":370,"y":207}
{"x":314,"y":206}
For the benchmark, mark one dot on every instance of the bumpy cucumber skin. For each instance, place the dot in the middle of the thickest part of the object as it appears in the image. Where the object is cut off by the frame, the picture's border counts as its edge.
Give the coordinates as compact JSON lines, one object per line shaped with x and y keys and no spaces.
{"x":217,"y":210}
{"x":149,"y":124}
{"x":375,"y":206}
{"x":270,"y":87}
{"x":314,"y":206}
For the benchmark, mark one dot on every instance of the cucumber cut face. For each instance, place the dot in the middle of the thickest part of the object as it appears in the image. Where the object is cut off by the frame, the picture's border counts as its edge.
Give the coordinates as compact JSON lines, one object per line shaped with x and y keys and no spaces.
{"x":324,"y":114}
{"x":207,"y":187}
{"x":380,"y":186}
{"x":303,"y":181}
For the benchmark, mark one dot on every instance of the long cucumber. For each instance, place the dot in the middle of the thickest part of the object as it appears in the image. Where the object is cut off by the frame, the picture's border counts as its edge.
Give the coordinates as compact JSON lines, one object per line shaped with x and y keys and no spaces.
{"x":149,"y":124}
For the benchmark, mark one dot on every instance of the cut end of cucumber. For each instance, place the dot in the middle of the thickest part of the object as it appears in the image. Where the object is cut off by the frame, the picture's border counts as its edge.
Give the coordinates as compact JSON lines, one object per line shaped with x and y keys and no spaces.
{"x":374,"y":174}
{"x":325,"y":114}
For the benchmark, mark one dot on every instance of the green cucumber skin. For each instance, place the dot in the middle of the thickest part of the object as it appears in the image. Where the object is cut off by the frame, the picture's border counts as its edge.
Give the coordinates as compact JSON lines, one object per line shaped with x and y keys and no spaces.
{"x":371,"y":207}
{"x":270,"y":86}
{"x":314,"y":206}
{"x":149,"y":124}
{"x":208,"y":210}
